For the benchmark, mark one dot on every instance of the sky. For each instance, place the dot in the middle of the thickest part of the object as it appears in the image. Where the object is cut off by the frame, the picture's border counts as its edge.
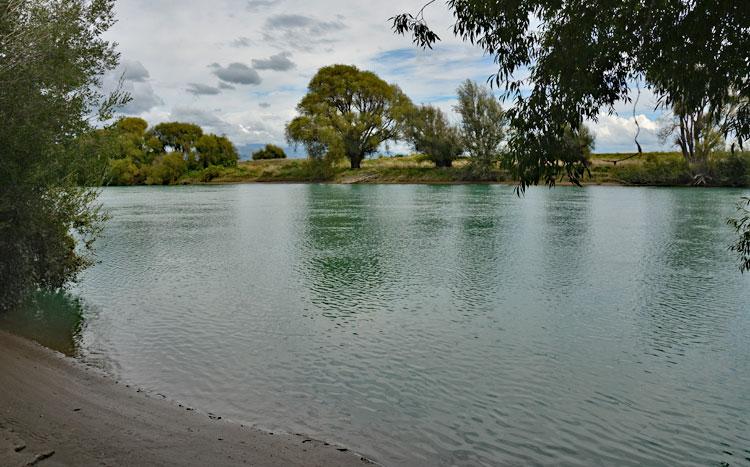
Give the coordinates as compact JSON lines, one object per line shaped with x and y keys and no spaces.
{"x":239,"y":67}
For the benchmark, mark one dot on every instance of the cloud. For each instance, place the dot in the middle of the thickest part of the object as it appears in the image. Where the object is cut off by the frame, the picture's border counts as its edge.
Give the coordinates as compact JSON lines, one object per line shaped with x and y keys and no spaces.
{"x":242,"y":41}
{"x":617,"y":134}
{"x":223,"y":85}
{"x":135,"y":83}
{"x":300,"y":32}
{"x":143,"y":98}
{"x":278,"y":62}
{"x":133,"y":71}
{"x":207,"y":120}
{"x":264,"y":105}
{"x":241,"y":129}
{"x":255,"y":5}
{"x":237,"y":73}
{"x":198,"y":89}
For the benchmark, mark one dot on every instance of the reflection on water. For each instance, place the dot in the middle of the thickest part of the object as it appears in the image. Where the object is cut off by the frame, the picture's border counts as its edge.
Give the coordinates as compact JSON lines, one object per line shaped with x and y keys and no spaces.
{"x":55,"y":320}
{"x":436,"y":325}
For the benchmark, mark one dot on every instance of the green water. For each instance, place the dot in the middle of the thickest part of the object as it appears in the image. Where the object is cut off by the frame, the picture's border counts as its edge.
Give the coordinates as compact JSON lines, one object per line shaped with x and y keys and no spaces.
{"x":436,"y":325}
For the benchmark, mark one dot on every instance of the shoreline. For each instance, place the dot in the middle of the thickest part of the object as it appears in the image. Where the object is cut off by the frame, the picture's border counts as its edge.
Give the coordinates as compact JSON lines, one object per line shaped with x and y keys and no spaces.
{"x":56,"y":411}
{"x":649,"y":170}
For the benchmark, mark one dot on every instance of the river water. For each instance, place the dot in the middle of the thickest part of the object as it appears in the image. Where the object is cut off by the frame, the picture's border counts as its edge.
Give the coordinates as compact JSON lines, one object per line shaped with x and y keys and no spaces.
{"x":435,"y":325}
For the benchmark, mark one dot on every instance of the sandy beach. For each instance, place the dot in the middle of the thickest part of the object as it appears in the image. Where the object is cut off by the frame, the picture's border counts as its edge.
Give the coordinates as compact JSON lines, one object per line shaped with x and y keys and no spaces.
{"x":55,"y":411}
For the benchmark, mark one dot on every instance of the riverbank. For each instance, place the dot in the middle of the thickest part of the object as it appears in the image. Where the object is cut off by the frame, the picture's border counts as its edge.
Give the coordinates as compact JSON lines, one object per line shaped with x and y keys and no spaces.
{"x":54,"y":411}
{"x":649,"y":169}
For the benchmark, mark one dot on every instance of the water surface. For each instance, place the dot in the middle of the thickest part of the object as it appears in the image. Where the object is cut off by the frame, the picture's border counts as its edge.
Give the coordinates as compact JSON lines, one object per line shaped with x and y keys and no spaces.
{"x":436,"y":325}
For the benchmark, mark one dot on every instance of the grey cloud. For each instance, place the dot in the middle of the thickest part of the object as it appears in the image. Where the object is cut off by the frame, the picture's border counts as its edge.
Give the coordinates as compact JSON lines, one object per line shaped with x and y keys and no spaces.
{"x":255,"y":5}
{"x":241,"y":42}
{"x":131,"y":77}
{"x":223,"y":85}
{"x":134,"y":71}
{"x":143,"y":98}
{"x":300,"y":32}
{"x":198,"y":89}
{"x":264,"y":105}
{"x":205,"y":119}
{"x":278,"y":62}
{"x":237,"y":73}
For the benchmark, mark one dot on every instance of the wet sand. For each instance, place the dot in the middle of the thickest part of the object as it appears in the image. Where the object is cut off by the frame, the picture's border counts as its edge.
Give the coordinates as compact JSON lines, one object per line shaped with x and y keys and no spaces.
{"x":55,"y":411}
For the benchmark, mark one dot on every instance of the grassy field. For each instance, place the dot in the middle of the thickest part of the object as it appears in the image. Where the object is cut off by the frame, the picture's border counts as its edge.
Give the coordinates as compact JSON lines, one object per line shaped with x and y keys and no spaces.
{"x":660,"y":169}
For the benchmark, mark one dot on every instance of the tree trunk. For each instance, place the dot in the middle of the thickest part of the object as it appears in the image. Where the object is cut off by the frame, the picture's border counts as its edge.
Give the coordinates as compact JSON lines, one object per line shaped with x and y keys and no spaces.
{"x":443,"y":163}
{"x":356,"y":162}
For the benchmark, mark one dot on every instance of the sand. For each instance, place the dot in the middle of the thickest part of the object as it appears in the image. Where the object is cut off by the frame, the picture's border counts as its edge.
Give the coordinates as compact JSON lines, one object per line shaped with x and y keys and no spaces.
{"x":55,"y":411}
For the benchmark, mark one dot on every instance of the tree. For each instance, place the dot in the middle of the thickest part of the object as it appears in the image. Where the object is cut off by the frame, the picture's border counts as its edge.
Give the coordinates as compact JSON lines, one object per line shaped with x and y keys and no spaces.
{"x":133,"y":125}
{"x":482,"y":126}
{"x":180,"y":137}
{"x":216,"y":150}
{"x":581,"y":58}
{"x":694,"y":134}
{"x":430,"y":133}
{"x":166,"y":169}
{"x":350,"y":110}
{"x":271,"y":151}
{"x":122,"y":172}
{"x":52,"y":57}
{"x":742,"y":225}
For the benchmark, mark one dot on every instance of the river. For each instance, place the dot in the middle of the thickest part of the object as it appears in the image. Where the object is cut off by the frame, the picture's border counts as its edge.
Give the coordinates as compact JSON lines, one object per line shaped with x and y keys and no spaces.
{"x":435,"y":325}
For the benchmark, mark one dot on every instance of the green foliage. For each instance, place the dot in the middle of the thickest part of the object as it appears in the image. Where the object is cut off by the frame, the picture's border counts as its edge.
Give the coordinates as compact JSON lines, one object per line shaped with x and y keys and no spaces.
{"x":180,"y":137}
{"x":133,"y":125}
{"x":348,"y":112}
{"x":742,"y":226}
{"x":655,"y":170}
{"x":482,"y":127}
{"x":430,"y":133}
{"x":216,"y":150}
{"x":730,"y":169}
{"x":132,"y":155}
{"x":271,"y":151}
{"x":52,"y":59}
{"x":123,"y":172}
{"x":177,"y":136}
{"x":166,"y":169}
{"x":211,"y":172}
{"x":581,"y":58}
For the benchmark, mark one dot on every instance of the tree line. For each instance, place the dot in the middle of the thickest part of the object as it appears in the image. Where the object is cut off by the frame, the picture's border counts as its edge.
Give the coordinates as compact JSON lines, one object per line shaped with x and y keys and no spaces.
{"x":350,"y":114}
{"x":136,"y":154}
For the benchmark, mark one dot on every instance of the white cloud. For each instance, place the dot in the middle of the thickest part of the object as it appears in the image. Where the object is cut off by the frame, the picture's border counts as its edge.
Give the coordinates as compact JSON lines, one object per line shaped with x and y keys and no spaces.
{"x":615,"y":133}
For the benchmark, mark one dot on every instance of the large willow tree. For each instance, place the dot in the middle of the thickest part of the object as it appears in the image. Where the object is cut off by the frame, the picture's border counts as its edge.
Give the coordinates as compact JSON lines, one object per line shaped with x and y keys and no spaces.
{"x":350,"y":111}
{"x":52,"y":57}
{"x":579,"y":58}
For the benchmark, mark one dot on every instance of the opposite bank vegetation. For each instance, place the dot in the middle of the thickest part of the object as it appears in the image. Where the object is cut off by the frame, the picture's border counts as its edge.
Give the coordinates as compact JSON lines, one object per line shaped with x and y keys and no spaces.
{"x":651,"y":169}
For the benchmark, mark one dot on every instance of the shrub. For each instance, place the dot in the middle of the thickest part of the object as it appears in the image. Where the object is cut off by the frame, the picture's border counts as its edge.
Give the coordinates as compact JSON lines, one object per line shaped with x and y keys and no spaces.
{"x":655,"y":170}
{"x":730,"y":169}
{"x":166,"y":169}
{"x":210,"y":172}
{"x":123,"y":172}
{"x":271,"y":151}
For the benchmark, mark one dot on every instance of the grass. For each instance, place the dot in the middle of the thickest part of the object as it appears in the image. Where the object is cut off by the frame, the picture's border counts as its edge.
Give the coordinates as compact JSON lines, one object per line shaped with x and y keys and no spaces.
{"x":657,"y":169}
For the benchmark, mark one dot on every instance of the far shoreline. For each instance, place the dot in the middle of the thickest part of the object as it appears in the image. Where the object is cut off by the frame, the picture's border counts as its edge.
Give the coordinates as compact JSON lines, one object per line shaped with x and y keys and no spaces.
{"x":649,"y":170}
